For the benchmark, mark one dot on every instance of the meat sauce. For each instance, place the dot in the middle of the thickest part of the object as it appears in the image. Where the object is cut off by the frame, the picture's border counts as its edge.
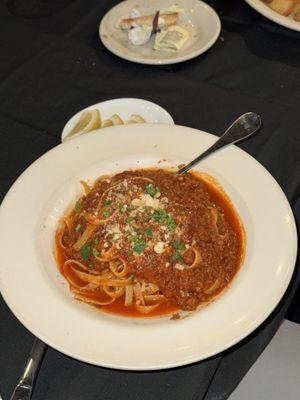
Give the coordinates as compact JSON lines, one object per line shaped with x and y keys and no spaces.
{"x":191,"y":239}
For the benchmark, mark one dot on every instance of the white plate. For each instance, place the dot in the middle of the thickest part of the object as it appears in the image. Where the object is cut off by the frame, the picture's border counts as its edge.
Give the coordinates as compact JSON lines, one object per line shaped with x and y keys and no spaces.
{"x":267,"y":12}
{"x":37,"y":295}
{"x":199,"y":18}
{"x":151,"y":112}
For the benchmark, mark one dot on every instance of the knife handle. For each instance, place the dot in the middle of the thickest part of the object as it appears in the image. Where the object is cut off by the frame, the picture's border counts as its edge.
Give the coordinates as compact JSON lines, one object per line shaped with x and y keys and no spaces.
{"x":24,"y":388}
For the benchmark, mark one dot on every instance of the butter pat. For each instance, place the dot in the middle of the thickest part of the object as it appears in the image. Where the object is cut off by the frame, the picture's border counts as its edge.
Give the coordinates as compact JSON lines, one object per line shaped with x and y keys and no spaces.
{"x":171,"y":39}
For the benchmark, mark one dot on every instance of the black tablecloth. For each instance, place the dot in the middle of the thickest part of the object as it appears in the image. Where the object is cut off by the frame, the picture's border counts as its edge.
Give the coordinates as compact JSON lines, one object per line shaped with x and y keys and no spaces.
{"x":53,"y":64}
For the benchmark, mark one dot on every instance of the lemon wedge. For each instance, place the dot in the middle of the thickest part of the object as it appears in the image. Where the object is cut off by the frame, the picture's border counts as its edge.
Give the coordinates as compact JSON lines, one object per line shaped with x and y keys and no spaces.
{"x":89,"y":121}
{"x":106,"y":123}
{"x":116,"y":120}
{"x":113,"y":120}
{"x":135,"y":119}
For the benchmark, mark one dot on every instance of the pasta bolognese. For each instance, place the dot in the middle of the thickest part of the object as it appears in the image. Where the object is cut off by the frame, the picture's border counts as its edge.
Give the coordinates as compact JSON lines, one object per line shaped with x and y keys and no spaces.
{"x":150,"y":242}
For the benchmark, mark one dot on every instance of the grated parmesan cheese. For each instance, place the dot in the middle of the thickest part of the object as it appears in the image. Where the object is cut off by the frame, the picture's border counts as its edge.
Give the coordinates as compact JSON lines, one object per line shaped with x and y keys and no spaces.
{"x":146,"y":201}
{"x":137,"y":202}
{"x":114,"y":229}
{"x":159,"y":247}
{"x":179,"y":267}
{"x":166,"y":237}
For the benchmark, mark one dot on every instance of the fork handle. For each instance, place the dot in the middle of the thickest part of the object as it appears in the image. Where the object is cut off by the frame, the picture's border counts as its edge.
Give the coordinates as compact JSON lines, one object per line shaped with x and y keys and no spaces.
{"x":24,"y":388}
{"x":240,"y":129}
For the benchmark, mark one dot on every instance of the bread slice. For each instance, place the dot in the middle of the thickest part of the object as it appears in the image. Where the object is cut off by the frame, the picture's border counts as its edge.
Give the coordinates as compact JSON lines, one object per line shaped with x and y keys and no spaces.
{"x":296,"y":10}
{"x":163,"y":21}
{"x":283,"y":7}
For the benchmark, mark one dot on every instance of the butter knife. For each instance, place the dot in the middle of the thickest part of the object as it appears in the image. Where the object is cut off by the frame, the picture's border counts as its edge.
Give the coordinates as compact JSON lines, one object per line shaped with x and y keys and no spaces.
{"x":25,"y":386}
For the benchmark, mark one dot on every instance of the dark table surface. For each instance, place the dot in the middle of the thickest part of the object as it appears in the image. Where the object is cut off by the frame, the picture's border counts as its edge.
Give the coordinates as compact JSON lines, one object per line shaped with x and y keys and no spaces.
{"x":53,"y":64}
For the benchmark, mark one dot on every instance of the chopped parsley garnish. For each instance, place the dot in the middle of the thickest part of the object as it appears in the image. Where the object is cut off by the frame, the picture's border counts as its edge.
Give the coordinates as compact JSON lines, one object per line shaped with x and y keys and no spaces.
{"x":95,"y":252}
{"x":139,"y":247}
{"x":77,"y":206}
{"x":176,"y":256}
{"x":152,"y":190}
{"x":129,"y":220}
{"x":107,"y":203}
{"x":90,"y":265}
{"x":77,"y":228}
{"x":163,"y":218}
{"x":158,"y":215}
{"x":96,"y":240}
{"x":132,"y":278}
{"x":105,"y":214}
{"x":178,"y":245}
{"x":122,"y":209}
{"x":170,"y":222}
{"x":133,"y":238}
{"x":149,"y":232}
{"x":86,"y":251}
{"x":138,"y":244}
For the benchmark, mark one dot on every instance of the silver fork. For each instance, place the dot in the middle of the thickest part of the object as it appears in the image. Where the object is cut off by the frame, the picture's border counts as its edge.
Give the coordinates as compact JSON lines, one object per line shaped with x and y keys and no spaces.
{"x":24,"y":388}
{"x":243,"y":127}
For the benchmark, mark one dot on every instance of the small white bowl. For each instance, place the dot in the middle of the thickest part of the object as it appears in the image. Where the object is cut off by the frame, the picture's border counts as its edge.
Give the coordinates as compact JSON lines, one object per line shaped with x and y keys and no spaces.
{"x":151,"y":112}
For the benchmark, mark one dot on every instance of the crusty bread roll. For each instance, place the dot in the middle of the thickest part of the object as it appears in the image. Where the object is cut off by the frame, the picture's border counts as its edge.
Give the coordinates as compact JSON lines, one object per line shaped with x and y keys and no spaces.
{"x":164,"y":20}
{"x":296,"y":10}
{"x":283,"y":7}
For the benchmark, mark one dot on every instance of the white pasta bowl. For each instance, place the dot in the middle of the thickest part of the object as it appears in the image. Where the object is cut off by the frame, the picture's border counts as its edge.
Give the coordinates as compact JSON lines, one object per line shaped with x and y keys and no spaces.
{"x":38,"y":296}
